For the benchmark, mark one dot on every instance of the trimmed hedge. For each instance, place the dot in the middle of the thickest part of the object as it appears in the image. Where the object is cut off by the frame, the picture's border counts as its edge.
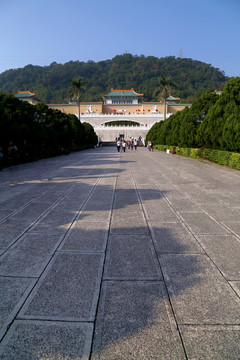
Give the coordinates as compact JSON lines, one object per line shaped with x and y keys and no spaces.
{"x":225,"y":158}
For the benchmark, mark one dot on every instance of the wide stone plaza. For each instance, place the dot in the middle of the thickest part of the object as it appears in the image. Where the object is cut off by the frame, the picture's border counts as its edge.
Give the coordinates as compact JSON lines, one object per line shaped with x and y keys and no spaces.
{"x":108,"y":255}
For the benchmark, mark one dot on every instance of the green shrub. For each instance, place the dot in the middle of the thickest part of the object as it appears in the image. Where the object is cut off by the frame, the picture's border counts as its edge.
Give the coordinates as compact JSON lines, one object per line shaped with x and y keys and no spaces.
{"x":220,"y":157}
{"x":160,"y":147}
{"x":185,"y":151}
{"x":194,"y":153}
{"x":234,"y":161}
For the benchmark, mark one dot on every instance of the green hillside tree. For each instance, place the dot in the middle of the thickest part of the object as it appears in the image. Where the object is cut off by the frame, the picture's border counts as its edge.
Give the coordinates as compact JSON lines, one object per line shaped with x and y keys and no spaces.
{"x":90,"y":135}
{"x":231,"y":131}
{"x":181,"y":129}
{"x":220,"y":128}
{"x":75,"y":90}
{"x":51,"y":83}
{"x":163,"y":91}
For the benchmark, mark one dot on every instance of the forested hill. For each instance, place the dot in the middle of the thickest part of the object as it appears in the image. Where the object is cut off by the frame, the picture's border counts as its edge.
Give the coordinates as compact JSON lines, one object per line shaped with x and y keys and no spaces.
{"x":51,"y":83}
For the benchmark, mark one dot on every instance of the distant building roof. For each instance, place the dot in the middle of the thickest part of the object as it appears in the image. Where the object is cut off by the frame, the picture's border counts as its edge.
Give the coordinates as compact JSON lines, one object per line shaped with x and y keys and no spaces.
{"x":27,"y":95}
{"x":128,"y":93}
{"x":172,"y":98}
{"x":24,"y":94}
{"x":218,"y":92}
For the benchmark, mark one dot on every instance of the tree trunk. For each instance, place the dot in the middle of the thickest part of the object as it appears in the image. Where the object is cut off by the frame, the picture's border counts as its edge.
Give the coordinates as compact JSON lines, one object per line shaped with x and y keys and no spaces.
{"x":78,"y":102}
{"x":164,"y":109}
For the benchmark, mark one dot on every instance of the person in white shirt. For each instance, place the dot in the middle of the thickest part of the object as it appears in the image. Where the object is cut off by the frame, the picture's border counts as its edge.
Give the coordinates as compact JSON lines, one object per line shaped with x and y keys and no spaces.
{"x":118,"y":145}
{"x":135,"y":144}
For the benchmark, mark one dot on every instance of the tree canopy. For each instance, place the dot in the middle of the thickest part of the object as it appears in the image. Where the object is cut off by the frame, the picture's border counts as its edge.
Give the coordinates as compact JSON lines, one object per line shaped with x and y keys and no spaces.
{"x":212,"y":121}
{"x":76,"y":87}
{"x":39,"y":131}
{"x":51,"y":83}
{"x":163,"y":91}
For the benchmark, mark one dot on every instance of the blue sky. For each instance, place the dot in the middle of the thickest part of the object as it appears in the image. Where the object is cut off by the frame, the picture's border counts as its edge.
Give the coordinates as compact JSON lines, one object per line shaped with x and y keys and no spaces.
{"x":40,"y":32}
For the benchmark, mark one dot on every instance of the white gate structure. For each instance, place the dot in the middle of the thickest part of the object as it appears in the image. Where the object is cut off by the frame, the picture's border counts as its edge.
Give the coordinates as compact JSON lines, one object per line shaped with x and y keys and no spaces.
{"x":106,"y":132}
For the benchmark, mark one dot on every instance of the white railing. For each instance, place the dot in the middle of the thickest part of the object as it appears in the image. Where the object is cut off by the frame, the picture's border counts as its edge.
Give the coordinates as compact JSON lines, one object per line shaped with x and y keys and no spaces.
{"x":121,"y":127}
{"x":158,"y":115}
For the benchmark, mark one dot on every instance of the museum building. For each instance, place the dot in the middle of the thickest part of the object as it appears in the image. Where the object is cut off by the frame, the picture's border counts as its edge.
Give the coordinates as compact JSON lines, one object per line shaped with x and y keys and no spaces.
{"x":121,"y":112}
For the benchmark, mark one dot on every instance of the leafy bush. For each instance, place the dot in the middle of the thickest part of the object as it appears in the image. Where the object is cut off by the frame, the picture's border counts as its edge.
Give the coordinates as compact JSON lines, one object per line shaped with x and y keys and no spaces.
{"x":234,"y":161}
{"x":91,"y":138}
{"x":225,"y":158}
{"x":40,"y":132}
{"x":212,"y":121}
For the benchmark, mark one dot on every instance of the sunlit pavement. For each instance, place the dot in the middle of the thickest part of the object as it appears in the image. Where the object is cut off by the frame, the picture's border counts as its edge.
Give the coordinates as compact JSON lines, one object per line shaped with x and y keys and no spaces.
{"x":108,"y":255}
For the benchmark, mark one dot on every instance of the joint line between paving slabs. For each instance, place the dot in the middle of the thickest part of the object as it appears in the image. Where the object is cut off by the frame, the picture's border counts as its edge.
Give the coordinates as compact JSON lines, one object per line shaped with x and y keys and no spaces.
{"x":163,"y":277}
{"x":103,"y":266}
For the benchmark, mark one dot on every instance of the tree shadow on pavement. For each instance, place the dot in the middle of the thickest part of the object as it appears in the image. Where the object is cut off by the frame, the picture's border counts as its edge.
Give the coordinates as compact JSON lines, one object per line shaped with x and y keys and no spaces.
{"x":124,"y":268}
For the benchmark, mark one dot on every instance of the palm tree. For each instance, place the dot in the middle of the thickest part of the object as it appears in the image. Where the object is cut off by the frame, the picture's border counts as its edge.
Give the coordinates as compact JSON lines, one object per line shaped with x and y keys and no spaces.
{"x":165,"y":84}
{"x":75,"y":90}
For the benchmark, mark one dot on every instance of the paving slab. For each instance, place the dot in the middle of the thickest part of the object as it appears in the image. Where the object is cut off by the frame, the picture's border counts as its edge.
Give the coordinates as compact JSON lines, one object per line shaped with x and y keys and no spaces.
{"x":130,"y":203}
{"x":152,"y":194}
{"x":170,"y":238}
{"x":86,"y":236}
{"x":95,"y":216}
{"x":198,"y":196}
{"x":98,"y":204}
{"x":135,"y":322}
{"x":222,"y":212}
{"x":18,"y":201}
{"x":157,"y":213}
{"x":200,"y":223}
{"x":131,"y":258}
{"x":4,"y":213}
{"x":132,"y":225}
{"x":236,"y":286}
{"x":230,"y":200}
{"x":31,"y":212}
{"x":54,"y":222}
{"x":29,"y":256}
{"x":68,"y":291}
{"x":11,"y":230}
{"x":184,"y":205}
{"x":12,"y":294}
{"x":224,"y":250}
{"x":47,"y":340}
{"x":211,"y":342}
{"x":234,"y":226}
{"x":191,"y":279}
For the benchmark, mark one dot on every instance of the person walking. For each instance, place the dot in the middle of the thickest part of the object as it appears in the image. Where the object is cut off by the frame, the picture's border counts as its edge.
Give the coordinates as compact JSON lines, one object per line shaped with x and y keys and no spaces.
{"x":135,"y":144}
{"x":124,"y":146}
{"x":132,"y":144}
{"x":149,"y":145}
{"x":118,"y":145}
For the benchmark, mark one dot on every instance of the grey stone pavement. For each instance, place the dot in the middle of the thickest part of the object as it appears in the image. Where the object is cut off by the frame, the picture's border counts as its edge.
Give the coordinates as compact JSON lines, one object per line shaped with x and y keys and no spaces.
{"x":108,"y":255}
